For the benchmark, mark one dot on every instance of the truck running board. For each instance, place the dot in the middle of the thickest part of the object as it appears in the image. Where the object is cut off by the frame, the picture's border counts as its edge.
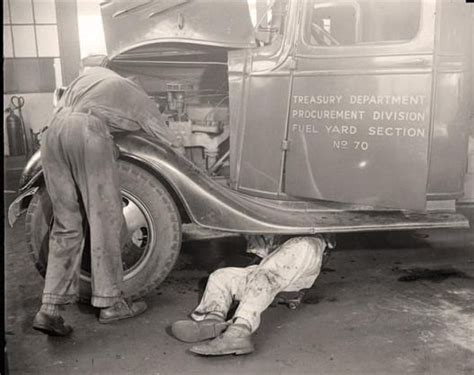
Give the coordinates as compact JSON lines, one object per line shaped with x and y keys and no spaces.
{"x":352,"y":222}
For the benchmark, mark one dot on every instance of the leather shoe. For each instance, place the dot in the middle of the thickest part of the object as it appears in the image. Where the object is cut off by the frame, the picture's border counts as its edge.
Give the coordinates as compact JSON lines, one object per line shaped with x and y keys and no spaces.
{"x":234,"y":340}
{"x":194,"y":331}
{"x":121,"y":310}
{"x":51,"y":325}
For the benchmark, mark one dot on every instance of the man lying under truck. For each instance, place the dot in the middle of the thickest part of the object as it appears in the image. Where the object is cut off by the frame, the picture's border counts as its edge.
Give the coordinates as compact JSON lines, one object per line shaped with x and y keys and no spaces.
{"x":79,"y":162}
{"x":290,"y":267}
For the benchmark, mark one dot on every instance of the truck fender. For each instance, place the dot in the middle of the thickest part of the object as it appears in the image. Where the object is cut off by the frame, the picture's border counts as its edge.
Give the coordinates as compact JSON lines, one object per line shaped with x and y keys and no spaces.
{"x":194,"y":189}
{"x":30,"y":181}
{"x":20,"y":205}
{"x":149,"y":153}
{"x":206,"y":202}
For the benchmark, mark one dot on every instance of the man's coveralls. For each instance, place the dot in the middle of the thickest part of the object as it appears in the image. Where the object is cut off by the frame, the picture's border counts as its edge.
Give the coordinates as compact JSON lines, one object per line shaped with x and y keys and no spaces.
{"x":77,"y":153}
{"x":293,"y":266}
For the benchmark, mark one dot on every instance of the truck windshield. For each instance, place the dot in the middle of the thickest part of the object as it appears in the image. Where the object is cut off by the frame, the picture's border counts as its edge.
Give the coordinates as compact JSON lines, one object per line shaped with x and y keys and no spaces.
{"x":271,"y":21}
{"x":352,"y":22}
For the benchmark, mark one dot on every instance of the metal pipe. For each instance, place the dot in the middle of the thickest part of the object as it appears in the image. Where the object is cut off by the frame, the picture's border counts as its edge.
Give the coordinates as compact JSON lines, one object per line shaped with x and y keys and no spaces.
{"x":218,"y":163}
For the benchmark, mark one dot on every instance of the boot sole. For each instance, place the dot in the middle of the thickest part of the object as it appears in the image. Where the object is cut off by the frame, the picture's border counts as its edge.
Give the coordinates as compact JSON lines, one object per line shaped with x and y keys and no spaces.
{"x":228,"y":352}
{"x":121,"y":317}
{"x":246,"y":351}
{"x":190,"y":331}
{"x":49,"y":331}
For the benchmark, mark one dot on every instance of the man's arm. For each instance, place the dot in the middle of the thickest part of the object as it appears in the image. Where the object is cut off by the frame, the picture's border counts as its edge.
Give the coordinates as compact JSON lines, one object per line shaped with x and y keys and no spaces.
{"x":153,"y":123}
{"x":148,"y":116}
{"x":128,"y":108}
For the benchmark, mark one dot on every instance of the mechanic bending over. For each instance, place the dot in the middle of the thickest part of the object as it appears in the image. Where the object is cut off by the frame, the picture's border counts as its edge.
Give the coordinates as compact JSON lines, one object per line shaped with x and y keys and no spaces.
{"x":79,"y":162}
{"x":291,"y":267}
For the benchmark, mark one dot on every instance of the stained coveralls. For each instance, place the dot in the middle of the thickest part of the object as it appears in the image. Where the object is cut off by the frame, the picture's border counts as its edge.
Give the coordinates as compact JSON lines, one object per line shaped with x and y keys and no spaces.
{"x":79,"y":164}
{"x":293,"y":266}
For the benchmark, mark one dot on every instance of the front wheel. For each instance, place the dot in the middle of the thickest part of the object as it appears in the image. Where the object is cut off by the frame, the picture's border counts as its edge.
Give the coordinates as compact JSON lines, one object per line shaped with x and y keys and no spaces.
{"x":154,"y":233}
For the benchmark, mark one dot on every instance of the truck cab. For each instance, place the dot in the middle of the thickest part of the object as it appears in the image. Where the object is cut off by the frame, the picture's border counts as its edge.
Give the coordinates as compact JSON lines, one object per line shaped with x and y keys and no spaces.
{"x":360,"y":102}
{"x":373,"y":105}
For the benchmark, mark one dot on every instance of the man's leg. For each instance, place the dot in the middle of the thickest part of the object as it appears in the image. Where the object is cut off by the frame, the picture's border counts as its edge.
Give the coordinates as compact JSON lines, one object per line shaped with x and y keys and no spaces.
{"x":295,"y":265}
{"x":223,"y":286}
{"x":95,"y":171}
{"x":209,"y":316}
{"x":66,"y":238}
{"x":96,"y":174}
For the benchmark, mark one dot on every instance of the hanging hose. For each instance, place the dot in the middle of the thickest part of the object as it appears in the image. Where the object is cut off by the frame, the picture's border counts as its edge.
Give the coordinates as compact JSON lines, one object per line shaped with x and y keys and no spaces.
{"x":17,"y":103}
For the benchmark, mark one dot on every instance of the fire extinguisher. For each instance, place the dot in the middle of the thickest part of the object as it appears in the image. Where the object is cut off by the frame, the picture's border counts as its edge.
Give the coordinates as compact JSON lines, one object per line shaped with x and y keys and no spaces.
{"x":17,"y":141}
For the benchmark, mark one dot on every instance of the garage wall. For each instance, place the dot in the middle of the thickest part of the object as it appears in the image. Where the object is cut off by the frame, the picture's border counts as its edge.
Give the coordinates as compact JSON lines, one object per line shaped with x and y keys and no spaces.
{"x":41,"y":52}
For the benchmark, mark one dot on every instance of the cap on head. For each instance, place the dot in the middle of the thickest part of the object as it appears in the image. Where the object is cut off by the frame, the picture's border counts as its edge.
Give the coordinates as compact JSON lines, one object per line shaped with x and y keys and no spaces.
{"x":93,"y":61}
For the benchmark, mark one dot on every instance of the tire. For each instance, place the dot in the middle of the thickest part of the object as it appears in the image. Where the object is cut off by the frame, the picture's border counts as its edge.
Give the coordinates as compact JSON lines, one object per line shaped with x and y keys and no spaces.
{"x":154,"y":241}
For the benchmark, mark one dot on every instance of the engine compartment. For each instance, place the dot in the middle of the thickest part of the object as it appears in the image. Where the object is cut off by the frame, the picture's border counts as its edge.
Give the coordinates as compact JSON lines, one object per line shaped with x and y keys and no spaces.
{"x":189,"y":84}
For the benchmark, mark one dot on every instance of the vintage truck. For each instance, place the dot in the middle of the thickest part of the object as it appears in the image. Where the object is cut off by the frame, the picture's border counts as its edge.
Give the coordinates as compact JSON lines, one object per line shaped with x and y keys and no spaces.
{"x":295,"y":116}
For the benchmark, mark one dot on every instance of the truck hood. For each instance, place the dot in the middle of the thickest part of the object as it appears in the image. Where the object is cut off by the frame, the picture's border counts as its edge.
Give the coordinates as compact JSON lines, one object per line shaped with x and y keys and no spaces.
{"x":136,"y":28}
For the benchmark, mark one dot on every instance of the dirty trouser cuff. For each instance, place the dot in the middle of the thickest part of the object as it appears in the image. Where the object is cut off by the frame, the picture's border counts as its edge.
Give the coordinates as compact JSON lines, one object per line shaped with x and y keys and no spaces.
{"x":102,"y":302}
{"x":198,"y":316}
{"x":250,"y":316}
{"x":215,"y":316}
{"x":56,"y":299}
{"x":242,"y":322}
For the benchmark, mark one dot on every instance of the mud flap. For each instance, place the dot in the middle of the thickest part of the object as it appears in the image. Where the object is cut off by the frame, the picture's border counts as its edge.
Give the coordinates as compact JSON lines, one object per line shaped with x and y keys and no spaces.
{"x":16,"y":210}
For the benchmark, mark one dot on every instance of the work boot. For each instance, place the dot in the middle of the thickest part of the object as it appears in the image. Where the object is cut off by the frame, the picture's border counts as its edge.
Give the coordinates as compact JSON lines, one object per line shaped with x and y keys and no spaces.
{"x":235,"y":340}
{"x":194,"y":331}
{"x":52,"y":325}
{"x":121,"y":310}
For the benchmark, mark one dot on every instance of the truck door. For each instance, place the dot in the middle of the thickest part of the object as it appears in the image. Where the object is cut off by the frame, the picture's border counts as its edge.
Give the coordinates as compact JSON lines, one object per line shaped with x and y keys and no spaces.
{"x":359,"y":119}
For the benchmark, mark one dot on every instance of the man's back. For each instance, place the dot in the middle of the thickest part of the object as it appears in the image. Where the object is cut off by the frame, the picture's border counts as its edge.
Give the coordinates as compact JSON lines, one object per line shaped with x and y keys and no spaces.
{"x":124,"y":105}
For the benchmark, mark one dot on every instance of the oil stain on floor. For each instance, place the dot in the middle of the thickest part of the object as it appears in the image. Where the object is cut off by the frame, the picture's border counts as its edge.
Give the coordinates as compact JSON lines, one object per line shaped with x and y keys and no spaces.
{"x":434,"y":275}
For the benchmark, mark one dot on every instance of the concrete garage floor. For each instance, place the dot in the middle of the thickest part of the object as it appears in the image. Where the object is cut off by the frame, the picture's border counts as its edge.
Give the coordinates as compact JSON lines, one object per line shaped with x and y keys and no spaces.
{"x":359,"y":318}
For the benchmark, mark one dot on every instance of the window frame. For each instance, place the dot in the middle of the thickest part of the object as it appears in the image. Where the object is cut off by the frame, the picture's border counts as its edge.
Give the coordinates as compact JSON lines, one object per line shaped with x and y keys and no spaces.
{"x":305,"y":48}
{"x":18,"y":66}
{"x":34,"y":24}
